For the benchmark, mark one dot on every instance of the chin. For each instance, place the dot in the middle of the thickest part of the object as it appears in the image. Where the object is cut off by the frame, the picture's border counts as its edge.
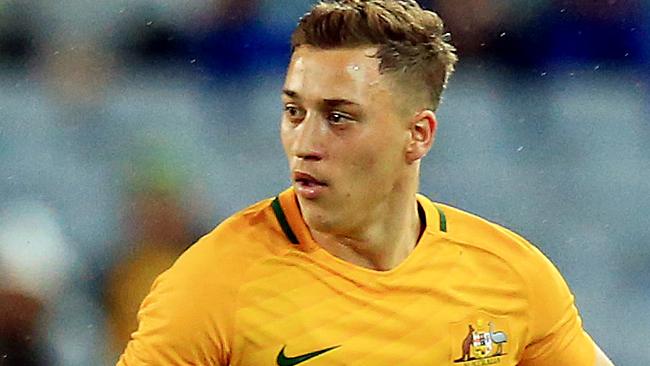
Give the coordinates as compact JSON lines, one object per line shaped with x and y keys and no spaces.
{"x":317,"y":217}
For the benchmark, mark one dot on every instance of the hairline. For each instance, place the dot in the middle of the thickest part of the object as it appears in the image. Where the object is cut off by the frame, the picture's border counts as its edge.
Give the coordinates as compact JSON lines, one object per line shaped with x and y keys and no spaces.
{"x":396,"y":78}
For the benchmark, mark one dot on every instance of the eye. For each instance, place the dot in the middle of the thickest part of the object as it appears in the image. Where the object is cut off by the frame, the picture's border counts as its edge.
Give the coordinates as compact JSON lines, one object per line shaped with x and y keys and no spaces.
{"x":293,"y":112}
{"x":338,"y":118}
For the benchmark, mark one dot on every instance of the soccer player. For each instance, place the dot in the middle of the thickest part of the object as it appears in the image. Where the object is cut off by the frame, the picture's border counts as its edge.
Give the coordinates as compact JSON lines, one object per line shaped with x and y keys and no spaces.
{"x":350,"y":265}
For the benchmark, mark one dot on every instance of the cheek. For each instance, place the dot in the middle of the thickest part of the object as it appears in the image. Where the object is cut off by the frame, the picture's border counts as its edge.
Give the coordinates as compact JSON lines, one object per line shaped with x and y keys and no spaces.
{"x":364,"y":162}
{"x":367,"y":162}
{"x":377,"y":161}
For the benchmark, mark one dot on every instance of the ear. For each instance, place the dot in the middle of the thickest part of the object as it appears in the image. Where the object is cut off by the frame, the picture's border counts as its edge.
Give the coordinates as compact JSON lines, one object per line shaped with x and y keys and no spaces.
{"x":423,"y":132}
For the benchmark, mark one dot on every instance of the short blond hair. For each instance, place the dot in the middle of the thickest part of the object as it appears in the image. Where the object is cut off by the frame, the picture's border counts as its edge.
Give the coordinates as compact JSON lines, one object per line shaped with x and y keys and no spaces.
{"x":411,"y":41}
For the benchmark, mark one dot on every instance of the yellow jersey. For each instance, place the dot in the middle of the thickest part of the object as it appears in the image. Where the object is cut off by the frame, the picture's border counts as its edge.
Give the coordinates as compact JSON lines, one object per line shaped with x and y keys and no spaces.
{"x":259,"y":291}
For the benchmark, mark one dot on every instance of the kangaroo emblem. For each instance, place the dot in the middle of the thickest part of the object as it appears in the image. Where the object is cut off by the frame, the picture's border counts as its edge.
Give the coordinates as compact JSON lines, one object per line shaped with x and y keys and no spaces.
{"x":467,"y":344}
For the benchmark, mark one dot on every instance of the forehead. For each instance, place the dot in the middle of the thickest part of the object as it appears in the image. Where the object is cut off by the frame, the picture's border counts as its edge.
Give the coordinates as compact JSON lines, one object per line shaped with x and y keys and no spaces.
{"x":349,"y":73}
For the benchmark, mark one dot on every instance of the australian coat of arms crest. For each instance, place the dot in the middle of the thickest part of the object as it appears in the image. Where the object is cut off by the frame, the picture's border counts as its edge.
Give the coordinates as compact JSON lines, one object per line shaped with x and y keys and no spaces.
{"x":481,"y":342}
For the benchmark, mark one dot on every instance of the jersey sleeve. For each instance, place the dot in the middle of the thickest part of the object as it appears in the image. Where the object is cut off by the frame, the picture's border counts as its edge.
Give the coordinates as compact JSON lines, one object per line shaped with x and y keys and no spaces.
{"x":556,"y":333}
{"x":185,"y":319}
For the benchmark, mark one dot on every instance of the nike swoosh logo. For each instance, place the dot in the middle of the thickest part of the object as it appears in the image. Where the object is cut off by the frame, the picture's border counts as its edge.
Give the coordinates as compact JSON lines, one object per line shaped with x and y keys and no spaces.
{"x":283,"y":360}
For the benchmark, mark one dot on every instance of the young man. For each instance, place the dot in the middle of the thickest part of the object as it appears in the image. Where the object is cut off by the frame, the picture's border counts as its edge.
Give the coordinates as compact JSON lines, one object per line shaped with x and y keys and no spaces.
{"x":350,"y":266}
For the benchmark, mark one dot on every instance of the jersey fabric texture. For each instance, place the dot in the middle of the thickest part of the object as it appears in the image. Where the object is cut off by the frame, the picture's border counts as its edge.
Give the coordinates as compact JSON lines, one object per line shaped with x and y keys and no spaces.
{"x":259,"y":291}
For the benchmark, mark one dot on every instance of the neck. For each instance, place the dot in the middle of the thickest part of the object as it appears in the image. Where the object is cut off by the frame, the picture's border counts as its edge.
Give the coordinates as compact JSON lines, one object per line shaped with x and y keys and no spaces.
{"x":384,"y":237}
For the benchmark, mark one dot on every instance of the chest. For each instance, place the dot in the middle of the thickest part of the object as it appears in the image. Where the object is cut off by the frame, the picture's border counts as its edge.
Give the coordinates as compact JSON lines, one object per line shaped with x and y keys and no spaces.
{"x":313,"y":316}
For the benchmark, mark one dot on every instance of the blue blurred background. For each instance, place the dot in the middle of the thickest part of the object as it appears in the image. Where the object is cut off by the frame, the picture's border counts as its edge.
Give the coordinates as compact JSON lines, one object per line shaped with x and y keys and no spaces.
{"x":128,"y":128}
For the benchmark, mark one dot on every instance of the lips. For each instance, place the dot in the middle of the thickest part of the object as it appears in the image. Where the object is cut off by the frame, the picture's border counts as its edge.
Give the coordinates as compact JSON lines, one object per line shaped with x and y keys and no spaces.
{"x":308,"y":179}
{"x":308,"y":186}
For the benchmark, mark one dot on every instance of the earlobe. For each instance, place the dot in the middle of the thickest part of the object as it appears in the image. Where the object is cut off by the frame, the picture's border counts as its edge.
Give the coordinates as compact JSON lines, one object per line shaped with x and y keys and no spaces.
{"x":423,"y":130}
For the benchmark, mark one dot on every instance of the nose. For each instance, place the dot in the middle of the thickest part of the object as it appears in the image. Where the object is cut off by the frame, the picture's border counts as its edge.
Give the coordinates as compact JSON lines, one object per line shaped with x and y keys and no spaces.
{"x":309,"y":139}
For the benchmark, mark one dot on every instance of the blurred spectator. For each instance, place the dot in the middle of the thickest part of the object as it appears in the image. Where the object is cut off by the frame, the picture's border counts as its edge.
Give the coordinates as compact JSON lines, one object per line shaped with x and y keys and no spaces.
{"x":596,"y":31}
{"x":480,"y":28}
{"x":541,"y":32}
{"x":19,"y":315}
{"x":156,"y":229}
{"x":148,"y":39}
{"x":76,"y":76}
{"x":18,"y":33}
{"x":233,"y":41}
{"x":57,"y":149}
{"x":36,"y":261}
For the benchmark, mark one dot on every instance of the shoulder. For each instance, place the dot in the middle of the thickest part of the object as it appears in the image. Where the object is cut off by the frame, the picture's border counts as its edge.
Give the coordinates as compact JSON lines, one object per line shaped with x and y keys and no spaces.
{"x":477,"y":232}
{"x":245,"y":238}
{"x":219,"y":263}
{"x":188,"y":314}
{"x":487,"y":242}
{"x":510,"y":264}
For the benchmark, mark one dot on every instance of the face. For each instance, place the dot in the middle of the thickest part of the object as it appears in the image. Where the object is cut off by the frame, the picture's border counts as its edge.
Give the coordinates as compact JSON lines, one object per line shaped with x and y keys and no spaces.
{"x":345,"y":136}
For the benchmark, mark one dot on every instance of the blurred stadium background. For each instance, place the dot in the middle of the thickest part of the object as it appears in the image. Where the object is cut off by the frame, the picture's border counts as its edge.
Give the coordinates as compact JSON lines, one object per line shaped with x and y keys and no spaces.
{"x":128,"y":128}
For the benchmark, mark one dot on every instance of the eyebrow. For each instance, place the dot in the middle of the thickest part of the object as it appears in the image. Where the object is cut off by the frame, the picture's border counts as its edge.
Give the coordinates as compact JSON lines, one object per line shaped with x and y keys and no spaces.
{"x":330,"y":102}
{"x":338,"y":102}
{"x":289,"y":93}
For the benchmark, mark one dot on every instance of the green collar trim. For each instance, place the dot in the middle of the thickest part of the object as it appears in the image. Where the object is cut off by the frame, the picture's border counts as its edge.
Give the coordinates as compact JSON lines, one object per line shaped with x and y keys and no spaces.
{"x":443,"y":219}
{"x":282,"y":220}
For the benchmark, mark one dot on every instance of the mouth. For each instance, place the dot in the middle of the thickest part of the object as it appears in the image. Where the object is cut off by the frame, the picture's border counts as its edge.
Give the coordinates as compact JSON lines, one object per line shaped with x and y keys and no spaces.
{"x":307,"y":180}
{"x":308,"y":186}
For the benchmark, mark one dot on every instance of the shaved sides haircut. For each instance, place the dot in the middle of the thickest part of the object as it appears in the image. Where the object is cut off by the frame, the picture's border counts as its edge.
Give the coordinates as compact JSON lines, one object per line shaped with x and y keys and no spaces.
{"x":411,"y":41}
